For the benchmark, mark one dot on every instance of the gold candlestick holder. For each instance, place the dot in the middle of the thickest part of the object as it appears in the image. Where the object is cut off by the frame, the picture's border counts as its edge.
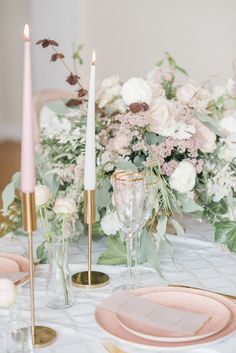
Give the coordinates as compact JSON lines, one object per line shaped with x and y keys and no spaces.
{"x":42,"y":336}
{"x":90,"y":279}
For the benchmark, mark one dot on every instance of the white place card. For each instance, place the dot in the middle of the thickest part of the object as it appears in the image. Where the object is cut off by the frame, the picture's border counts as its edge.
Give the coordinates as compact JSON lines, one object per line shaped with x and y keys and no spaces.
{"x":150,"y":313}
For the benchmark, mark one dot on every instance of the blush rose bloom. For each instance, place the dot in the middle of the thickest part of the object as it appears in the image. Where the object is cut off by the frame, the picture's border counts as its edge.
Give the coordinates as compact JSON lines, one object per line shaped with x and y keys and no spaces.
{"x":121,"y":143}
{"x":65,"y":205}
{"x":110,"y":223}
{"x":136,"y":90}
{"x":183,"y":178}
{"x":42,"y":195}
{"x":186,"y":92}
{"x":7,"y":293}
{"x":160,"y":119}
{"x":110,"y":88}
{"x":205,"y":135}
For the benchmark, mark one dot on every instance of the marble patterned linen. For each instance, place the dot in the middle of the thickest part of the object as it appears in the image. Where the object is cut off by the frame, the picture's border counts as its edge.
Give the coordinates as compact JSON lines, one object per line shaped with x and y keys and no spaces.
{"x":198,"y":262}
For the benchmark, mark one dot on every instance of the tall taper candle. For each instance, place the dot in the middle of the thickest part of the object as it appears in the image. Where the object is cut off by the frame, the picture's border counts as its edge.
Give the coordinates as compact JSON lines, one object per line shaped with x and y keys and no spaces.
{"x":27,"y":141}
{"x":90,"y":156}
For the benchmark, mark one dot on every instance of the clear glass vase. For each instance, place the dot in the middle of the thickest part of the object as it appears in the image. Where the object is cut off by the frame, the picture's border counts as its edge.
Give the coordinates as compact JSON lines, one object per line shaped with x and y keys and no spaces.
{"x":59,"y":286}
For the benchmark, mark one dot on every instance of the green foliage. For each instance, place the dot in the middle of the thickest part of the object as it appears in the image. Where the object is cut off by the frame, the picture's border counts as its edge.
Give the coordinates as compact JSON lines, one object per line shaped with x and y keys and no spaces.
{"x":148,"y":252}
{"x":152,"y":138}
{"x":115,"y":254}
{"x":189,"y":205}
{"x":161,"y":226}
{"x":41,"y":253}
{"x":177,"y":226}
{"x":220,"y":103}
{"x":51,"y":180}
{"x":211,"y":123}
{"x":173,"y":64}
{"x":8,"y":196}
{"x":125,"y":165}
{"x":58,"y":107}
{"x":76,"y":55}
{"x":225,"y":232}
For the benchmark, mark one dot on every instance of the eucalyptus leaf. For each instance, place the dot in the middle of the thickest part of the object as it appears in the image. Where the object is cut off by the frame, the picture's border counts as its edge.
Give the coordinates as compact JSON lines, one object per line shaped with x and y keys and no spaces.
{"x":125,"y":165}
{"x":58,"y":107}
{"x":152,"y":138}
{"x":161,"y":226}
{"x":20,"y":232}
{"x":211,"y":123}
{"x":181,"y":70}
{"x":188,"y":205}
{"x":8,"y":196}
{"x":220,"y":103}
{"x":159,"y":63}
{"x":51,"y":180}
{"x":115,"y":254}
{"x":138,"y":160}
{"x":41,"y":253}
{"x":148,"y":251}
{"x":179,"y":229}
{"x":16,"y":180}
{"x":103,"y":198}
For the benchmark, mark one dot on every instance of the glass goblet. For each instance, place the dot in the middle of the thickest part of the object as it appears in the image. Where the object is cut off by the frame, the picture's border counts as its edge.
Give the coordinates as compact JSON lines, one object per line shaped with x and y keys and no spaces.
{"x":150,"y":199}
{"x":129,"y":193}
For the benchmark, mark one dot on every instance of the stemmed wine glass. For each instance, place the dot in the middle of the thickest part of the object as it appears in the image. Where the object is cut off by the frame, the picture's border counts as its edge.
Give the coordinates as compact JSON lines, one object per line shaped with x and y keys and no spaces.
{"x":150,"y":200}
{"x":129,"y":193}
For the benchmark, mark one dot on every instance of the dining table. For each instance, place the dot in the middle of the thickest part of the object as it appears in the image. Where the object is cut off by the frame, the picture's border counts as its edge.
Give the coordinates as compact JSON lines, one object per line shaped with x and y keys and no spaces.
{"x":196,"y":260}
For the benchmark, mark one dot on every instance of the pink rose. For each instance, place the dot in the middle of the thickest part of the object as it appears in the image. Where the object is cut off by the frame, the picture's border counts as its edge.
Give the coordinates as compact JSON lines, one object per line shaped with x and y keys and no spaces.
{"x":186,"y":92}
{"x":121,"y":143}
{"x":160,"y":119}
{"x":206,"y":137}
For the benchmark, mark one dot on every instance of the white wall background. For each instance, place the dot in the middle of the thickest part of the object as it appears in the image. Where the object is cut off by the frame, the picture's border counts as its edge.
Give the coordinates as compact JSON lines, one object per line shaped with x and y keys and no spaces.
{"x":129,"y":37}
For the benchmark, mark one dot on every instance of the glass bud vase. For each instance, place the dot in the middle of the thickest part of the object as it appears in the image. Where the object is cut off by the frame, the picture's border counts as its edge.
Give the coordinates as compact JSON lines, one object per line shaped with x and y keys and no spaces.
{"x":59,"y":286}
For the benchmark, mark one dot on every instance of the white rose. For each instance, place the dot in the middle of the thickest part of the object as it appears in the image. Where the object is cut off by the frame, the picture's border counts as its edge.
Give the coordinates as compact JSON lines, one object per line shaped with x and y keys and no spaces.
{"x":65,"y":205}
{"x":183,"y":178}
{"x":119,"y":105}
{"x":42,"y":195}
{"x":136,"y":90}
{"x":7,"y":293}
{"x":110,"y":223}
{"x":160,"y":120}
{"x":186,"y":92}
{"x":110,"y":88}
{"x":228,"y":123}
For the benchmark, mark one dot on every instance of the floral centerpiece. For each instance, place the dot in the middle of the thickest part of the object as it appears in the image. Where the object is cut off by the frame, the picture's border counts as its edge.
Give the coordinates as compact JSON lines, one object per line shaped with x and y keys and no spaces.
{"x":183,"y":133}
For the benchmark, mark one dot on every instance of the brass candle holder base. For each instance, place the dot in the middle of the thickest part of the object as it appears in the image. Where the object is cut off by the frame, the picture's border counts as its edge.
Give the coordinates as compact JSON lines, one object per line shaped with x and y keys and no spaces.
{"x":44,"y":336}
{"x":90,"y":279}
{"x":98,"y":279}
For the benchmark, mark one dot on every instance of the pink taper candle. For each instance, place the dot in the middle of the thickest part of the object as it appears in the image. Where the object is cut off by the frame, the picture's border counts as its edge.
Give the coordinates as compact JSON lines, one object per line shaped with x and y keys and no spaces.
{"x":27,"y":140}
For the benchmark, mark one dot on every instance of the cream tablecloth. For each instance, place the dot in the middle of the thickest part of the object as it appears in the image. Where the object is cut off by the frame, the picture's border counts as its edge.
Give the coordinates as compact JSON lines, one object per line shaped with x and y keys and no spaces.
{"x":198,"y":262}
